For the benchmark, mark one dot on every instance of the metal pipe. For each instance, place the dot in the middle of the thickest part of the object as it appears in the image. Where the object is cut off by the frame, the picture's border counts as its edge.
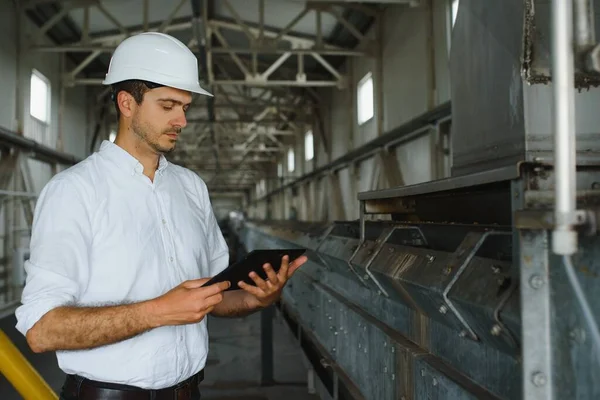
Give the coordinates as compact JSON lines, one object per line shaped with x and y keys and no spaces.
{"x":34,"y":149}
{"x":14,"y":193}
{"x":564,"y":238}
{"x":26,"y":380}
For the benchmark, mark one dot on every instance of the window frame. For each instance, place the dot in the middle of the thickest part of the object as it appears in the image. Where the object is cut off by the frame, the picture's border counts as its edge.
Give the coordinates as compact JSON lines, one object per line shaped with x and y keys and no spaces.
{"x":37,"y":74}
{"x":293,"y":162}
{"x":359,"y":87}
{"x":307,"y":134}
{"x":453,"y":12}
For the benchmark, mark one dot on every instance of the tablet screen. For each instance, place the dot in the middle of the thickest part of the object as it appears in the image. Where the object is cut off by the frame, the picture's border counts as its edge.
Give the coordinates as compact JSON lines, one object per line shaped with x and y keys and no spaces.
{"x":254,"y":261}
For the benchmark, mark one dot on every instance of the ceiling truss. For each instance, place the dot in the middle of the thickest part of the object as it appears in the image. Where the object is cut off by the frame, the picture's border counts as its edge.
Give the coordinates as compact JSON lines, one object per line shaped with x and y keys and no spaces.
{"x":264,"y":89}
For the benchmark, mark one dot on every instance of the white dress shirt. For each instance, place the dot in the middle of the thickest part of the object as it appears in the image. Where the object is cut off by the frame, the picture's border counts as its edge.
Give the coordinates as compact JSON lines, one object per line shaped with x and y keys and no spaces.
{"x":105,"y":234}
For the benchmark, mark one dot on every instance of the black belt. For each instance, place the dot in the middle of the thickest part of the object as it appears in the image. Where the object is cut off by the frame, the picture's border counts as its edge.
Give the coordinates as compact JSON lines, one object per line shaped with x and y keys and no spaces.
{"x":79,"y":388}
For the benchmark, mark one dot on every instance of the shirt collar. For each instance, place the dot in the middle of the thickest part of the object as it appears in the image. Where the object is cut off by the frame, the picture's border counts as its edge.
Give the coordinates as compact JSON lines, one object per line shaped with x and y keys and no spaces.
{"x":126,"y":161}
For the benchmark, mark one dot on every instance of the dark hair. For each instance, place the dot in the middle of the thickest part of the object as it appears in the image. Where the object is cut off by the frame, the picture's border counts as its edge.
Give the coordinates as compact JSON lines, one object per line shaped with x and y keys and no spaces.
{"x":136,"y":88}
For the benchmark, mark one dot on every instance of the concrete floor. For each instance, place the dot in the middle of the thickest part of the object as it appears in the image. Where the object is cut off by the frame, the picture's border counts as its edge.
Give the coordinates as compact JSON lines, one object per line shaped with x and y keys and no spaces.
{"x":233,"y":369}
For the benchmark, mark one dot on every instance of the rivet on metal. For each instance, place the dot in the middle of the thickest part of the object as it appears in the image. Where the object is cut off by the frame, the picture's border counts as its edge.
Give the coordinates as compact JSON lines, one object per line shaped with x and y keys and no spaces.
{"x":536,"y":281}
{"x":393,"y":349}
{"x":462,"y":334}
{"x":434,"y":382}
{"x":443,"y":309}
{"x":538,"y":379}
{"x":385,"y":369}
{"x":496,"y":329}
{"x":366,"y":277}
{"x":422,"y":372}
{"x":393,"y":376}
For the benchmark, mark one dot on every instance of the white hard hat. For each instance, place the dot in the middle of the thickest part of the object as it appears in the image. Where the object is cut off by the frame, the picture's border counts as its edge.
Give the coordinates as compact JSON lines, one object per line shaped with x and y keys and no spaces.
{"x":158,"y":58}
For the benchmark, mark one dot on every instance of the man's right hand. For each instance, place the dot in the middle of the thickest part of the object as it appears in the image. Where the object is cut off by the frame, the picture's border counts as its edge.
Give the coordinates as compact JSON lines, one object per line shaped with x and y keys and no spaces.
{"x":187,"y":303}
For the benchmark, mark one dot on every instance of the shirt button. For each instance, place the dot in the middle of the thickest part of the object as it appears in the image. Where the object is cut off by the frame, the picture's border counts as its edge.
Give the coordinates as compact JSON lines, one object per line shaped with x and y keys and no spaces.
{"x":171,"y":259}
{"x":164,"y":221}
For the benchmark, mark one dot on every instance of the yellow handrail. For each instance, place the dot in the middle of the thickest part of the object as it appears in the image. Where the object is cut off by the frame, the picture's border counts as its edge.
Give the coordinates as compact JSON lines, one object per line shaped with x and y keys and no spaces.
{"x":15,"y":367}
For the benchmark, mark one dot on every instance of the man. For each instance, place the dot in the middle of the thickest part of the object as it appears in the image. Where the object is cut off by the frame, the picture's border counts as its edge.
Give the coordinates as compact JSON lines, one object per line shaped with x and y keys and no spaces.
{"x":123,"y":242}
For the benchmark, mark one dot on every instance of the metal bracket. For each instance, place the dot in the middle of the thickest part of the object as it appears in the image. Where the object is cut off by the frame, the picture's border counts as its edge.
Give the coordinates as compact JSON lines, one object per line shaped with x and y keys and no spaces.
{"x":360,"y":243}
{"x":385,"y":235}
{"x":381,"y":241}
{"x":360,"y":278}
{"x":457,"y":275}
{"x":499,"y":307}
{"x":316,"y":250}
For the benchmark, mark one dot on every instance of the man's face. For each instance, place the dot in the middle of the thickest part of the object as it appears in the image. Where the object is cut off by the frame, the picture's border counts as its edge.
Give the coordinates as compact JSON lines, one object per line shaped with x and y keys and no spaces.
{"x":160,"y":118}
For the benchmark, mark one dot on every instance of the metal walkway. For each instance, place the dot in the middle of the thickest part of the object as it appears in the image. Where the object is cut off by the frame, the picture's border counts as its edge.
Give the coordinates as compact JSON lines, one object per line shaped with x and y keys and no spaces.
{"x":233,"y":370}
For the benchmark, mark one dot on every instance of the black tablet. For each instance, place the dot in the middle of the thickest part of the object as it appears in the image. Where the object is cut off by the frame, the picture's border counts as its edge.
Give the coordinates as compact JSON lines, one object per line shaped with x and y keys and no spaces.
{"x":254,"y":261}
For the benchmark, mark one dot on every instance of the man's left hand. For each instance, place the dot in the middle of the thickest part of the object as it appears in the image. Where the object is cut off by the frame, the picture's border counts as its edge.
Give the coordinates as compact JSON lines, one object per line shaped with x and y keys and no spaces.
{"x":269,"y":291}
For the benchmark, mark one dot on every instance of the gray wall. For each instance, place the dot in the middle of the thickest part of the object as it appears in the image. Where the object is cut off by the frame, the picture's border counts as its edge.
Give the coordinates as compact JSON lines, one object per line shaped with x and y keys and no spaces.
{"x":415,"y":79}
{"x":71,"y":126}
{"x":74,"y":128}
{"x":16,"y":65}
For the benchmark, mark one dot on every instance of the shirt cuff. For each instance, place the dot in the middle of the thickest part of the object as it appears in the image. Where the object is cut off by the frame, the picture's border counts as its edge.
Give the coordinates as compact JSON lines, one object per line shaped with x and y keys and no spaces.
{"x":28,"y":314}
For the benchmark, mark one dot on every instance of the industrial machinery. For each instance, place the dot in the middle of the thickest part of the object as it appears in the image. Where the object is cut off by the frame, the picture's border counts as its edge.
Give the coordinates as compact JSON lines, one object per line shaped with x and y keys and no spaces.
{"x":484,"y":285}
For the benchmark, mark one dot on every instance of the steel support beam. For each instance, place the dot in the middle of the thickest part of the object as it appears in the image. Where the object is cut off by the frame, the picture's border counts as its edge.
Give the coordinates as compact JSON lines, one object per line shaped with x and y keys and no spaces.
{"x":35,"y":150}
{"x":409,"y":131}
{"x":109,"y":48}
{"x":259,"y":83}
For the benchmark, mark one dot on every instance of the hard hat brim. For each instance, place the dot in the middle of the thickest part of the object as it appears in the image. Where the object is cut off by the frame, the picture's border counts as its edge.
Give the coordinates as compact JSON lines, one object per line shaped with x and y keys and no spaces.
{"x":191,"y":88}
{"x":194,"y":88}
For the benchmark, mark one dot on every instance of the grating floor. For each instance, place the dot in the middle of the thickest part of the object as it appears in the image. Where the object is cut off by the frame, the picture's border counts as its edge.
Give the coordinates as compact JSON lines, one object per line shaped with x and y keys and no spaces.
{"x":233,"y":369}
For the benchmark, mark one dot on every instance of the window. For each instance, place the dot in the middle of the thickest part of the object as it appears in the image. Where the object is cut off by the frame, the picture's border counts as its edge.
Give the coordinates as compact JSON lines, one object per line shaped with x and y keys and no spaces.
{"x":39,"y":98}
{"x":261,"y":187}
{"x":290,"y":160}
{"x":365,"y":99}
{"x":309,"y":147}
{"x":454,"y":11}
{"x":112,"y":136}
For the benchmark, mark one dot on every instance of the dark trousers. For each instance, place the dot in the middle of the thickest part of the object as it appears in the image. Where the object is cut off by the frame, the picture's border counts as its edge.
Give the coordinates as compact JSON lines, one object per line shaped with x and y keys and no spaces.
{"x":79,"y":388}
